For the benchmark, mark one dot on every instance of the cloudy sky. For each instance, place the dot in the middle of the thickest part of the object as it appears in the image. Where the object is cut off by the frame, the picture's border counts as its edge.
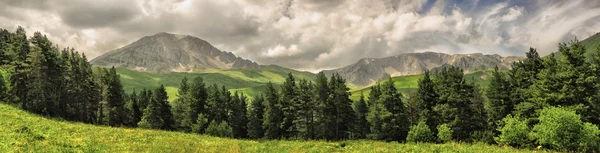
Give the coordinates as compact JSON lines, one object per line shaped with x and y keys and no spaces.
{"x":312,"y":34}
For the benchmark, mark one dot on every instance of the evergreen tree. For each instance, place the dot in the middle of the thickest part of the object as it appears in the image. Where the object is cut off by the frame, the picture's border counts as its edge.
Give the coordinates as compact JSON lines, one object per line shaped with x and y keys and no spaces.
{"x":18,"y":80}
{"x":255,"y":117}
{"x":325,"y":107}
{"x":151,"y":118}
{"x":113,"y":95}
{"x":136,"y":114}
{"x":306,"y":110}
{"x":289,"y":93}
{"x":161,"y":98}
{"x":498,"y":93}
{"x":396,"y":124}
{"x":273,"y":115}
{"x":196,"y":100}
{"x":361,"y":126}
{"x":376,"y":113}
{"x":37,"y":101}
{"x":344,"y":116}
{"x":428,"y":98}
{"x":238,"y":118}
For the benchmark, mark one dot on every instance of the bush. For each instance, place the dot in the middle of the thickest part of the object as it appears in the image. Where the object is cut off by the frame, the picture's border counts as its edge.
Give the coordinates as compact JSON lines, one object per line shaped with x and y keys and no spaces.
{"x":200,"y":124}
{"x":514,"y":132}
{"x":221,"y":130}
{"x":444,"y":133}
{"x":485,"y":136}
{"x":563,"y":129}
{"x":420,"y":133}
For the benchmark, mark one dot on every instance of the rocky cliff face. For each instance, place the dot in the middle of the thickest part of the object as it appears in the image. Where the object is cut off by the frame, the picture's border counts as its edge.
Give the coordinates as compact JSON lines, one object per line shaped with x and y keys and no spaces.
{"x":171,"y":52}
{"x":368,"y":71}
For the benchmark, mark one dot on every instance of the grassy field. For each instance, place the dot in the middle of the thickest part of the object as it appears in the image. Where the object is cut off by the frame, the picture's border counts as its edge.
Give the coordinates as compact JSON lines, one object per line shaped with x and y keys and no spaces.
{"x":249,"y":82}
{"x":24,"y":132}
{"x":408,"y":84}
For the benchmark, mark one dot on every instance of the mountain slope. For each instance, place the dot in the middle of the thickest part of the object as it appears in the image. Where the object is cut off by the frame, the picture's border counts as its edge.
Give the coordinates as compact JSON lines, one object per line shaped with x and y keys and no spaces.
{"x":24,"y":132}
{"x":248,"y":81}
{"x":171,"y":52}
{"x":367,"y":71}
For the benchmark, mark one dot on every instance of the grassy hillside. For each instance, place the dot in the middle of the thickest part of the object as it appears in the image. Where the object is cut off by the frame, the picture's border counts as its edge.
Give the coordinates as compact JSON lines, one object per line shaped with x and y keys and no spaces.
{"x":592,"y":44}
{"x":248,"y":81}
{"x":407,"y":84}
{"x":23,"y":132}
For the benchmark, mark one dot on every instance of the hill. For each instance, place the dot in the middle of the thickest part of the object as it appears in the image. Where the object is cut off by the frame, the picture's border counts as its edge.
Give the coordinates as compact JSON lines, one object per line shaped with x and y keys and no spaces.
{"x":167,"y":52}
{"x":248,"y":81}
{"x":24,"y":132}
{"x":368,"y":71}
{"x":408,"y":84}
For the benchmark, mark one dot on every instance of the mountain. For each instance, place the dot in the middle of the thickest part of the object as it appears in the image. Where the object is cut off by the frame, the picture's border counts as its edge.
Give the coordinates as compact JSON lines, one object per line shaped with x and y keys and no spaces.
{"x":171,"y":52}
{"x":368,"y":71}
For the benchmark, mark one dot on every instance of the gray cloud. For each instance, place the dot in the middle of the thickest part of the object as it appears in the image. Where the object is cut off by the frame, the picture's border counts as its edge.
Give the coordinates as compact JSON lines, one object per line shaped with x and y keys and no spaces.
{"x":312,"y":34}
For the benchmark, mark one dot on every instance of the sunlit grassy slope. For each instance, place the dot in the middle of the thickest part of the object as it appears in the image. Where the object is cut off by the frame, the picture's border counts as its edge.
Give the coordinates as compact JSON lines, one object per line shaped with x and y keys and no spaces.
{"x":248,"y":81}
{"x":23,"y":132}
{"x":408,"y":84}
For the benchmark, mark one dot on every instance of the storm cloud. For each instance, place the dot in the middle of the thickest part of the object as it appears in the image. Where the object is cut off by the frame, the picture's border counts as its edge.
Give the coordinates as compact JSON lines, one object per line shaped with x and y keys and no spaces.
{"x":312,"y":34}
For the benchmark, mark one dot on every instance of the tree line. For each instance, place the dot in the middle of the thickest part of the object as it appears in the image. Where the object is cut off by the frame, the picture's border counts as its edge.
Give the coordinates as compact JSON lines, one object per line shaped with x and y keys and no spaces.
{"x":517,"y":108}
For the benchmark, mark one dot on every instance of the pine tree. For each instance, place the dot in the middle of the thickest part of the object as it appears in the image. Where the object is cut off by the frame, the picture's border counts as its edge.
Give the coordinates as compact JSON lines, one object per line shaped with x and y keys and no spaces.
{"x":37,"y":101}
{"x":136,"y":114}
{"x":306,"y":110}
{"x":19,"y":80}
{"x":344,"y":116}
{"x":238,"y":118}
{"x":428,"y":98}
{"x":255,"y":118}
{"x":160,"y":96}
{"x":151,"y":118}
{"x":113,"y":95}
{"x":361,"y":126}
{"x":376,"y":113}
{"x":498,"y":93}
{"x":273,"y":114}
{"x":196,"y":100}
{"x":289,"y":100}
{"x":181,"y":106}
{"x":396,"y":124}
{"x":325,"y":107}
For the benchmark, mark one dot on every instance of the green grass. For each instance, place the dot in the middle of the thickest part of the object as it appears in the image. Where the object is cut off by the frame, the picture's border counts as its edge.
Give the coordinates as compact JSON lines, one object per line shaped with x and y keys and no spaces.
{"x":247,"y":81}
{"x":24,"y":132}
{"x":408,"y":84}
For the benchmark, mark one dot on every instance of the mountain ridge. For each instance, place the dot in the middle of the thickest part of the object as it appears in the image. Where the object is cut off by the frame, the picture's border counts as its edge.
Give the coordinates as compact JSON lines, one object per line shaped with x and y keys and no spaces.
{"x":171,"y":52}
{"x":367,"y":71}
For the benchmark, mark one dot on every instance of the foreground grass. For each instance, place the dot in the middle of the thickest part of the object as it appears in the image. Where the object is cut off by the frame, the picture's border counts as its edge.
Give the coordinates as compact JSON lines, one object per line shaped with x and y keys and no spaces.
{"x":23,"y":132}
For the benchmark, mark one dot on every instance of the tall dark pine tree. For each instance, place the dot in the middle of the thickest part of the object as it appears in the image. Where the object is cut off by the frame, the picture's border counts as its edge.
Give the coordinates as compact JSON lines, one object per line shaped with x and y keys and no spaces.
{"x":428,"y":98}
{"x":376,"y":113}
{"x":324,"y":107}
{"x":361,"y":126}
{"x":454,"y":106}
{"x":498,"y":93}
{"x":37,"y":85}
{"x":255,"y":118}
{"x":522,"y":75}
{"x":396,"y":124}
{"x":113,"y":95}
{"x":289,"y":100}
{"x":196,"y":100}
{"x":273,"y":115}
{"x":180,"y":106}
{"x":344,"y":116}
{"x":18,"y":80}
{"x":238,"y":119}
{"x":160,"y":96}
{"x":136,"y":114}
{"x":151,"y":118}
{"x":305,"y":120}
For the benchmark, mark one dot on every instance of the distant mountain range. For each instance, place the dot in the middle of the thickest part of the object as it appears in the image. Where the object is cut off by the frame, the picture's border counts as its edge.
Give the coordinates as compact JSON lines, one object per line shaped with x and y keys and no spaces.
{"x":368,"y":71}
{"x":171,"y":52}
{"x":167,"y":52}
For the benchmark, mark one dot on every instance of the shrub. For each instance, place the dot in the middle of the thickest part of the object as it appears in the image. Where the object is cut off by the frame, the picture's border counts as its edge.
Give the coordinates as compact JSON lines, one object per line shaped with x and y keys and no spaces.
{"x":200,"y":124}
{"x":514,"y":132}
{"x":563,"y":129}
{"x":221,"y":130}
{"x":420,"y":133}
{"x":444,"y":133}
